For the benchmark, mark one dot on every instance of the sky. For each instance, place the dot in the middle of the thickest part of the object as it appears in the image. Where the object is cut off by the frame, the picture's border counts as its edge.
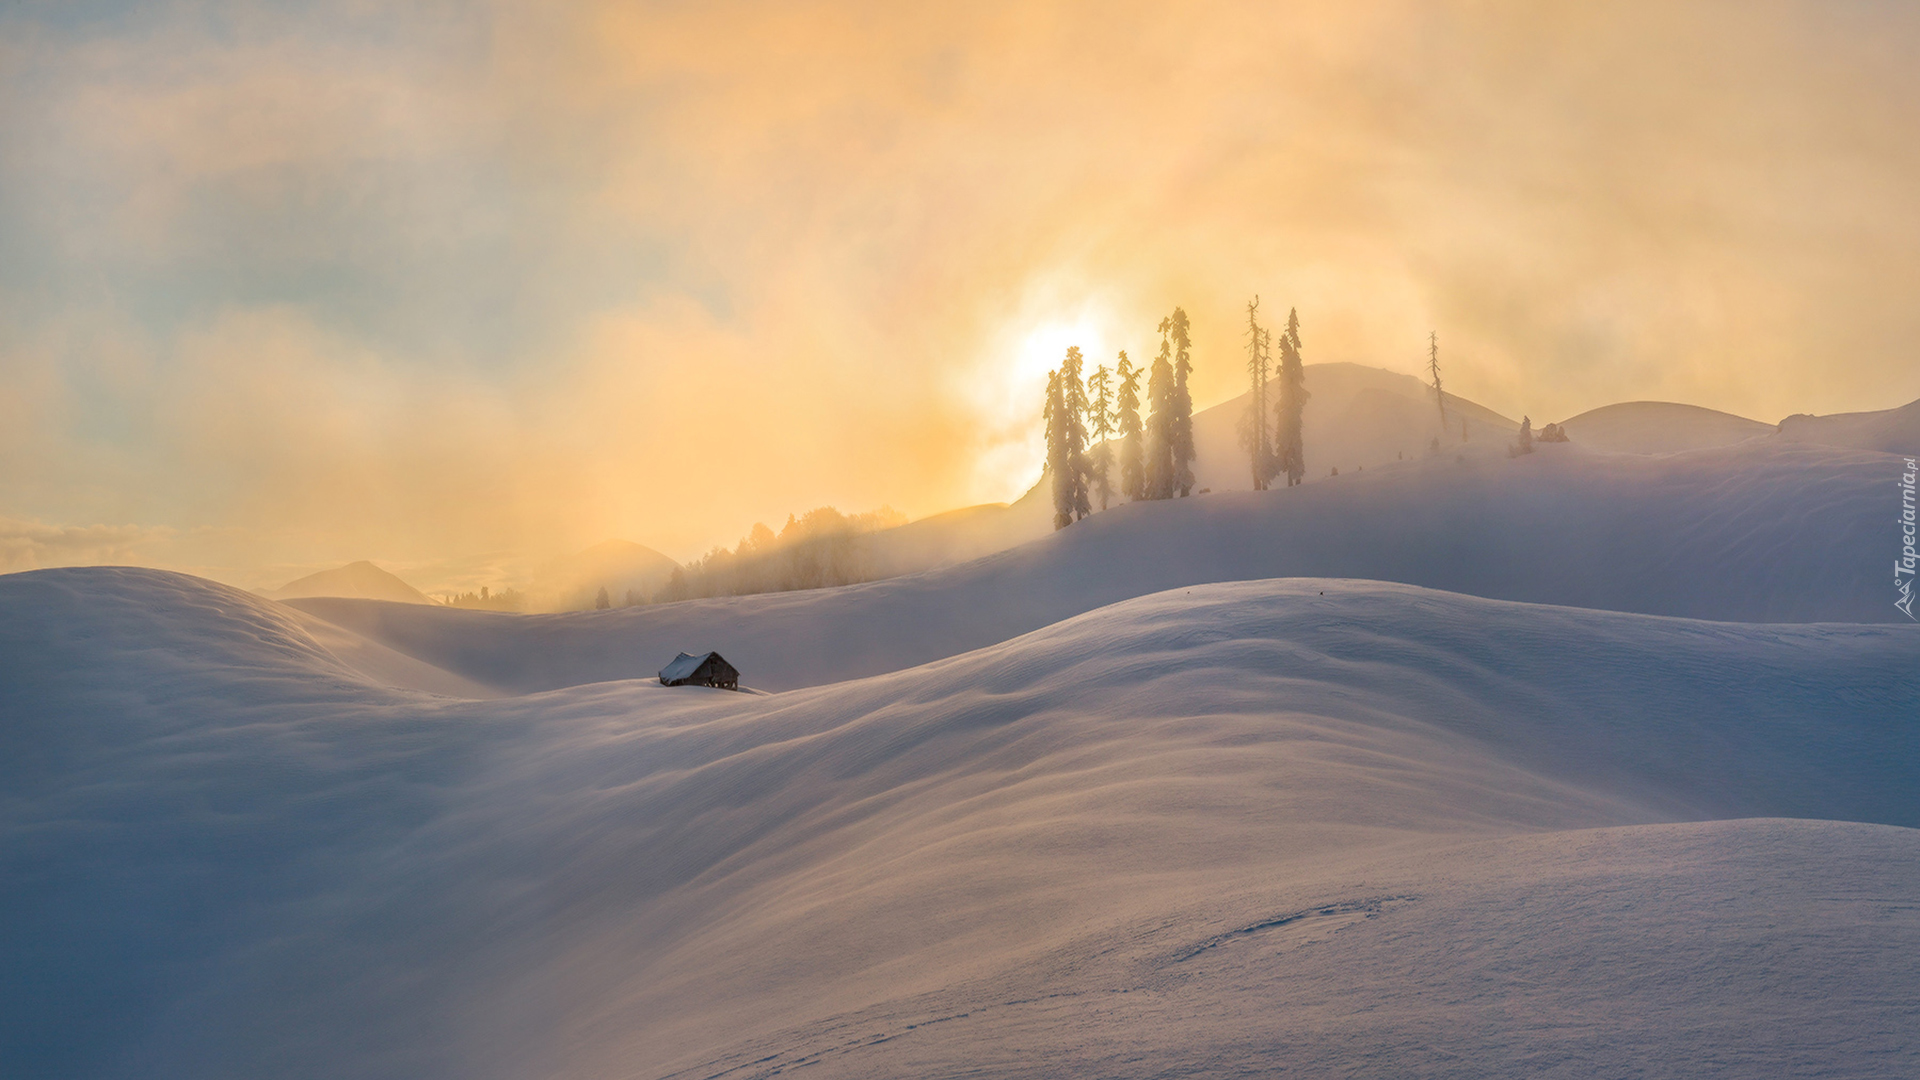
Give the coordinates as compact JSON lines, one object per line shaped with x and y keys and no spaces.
{"x":456,"y":285}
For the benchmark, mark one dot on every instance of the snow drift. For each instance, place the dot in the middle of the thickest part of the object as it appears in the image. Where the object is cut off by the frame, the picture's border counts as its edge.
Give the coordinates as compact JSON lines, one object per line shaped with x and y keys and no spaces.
{"x":1891,"y":431}
{"x":1257,"y":827}
{"x":1759,"y":532}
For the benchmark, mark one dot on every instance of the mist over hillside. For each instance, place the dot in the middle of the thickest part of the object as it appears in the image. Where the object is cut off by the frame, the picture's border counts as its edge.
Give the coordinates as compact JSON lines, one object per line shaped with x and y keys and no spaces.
{"x":1358,"y":417}
{"x":1760,"y":532}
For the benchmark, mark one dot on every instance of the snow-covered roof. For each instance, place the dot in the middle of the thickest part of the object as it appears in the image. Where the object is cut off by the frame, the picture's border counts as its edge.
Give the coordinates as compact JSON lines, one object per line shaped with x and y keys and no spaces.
{"x":684,"y":666}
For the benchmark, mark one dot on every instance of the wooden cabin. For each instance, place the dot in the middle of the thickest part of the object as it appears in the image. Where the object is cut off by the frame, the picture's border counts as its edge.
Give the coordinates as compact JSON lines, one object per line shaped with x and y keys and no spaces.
{"x":702,"y":669}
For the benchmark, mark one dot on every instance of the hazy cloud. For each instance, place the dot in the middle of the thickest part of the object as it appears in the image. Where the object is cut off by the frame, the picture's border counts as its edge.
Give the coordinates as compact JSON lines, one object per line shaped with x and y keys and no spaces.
{"x":32,"y":545}
{"x":414,"y":281}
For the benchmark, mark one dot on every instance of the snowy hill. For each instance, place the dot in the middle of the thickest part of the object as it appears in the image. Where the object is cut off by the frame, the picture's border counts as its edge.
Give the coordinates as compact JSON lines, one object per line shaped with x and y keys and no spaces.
{"x":1758,"y":532}
{"x":618,"y":566}
{"x":1890,"y":431}
{"x":958,"y":536}
{"x":1241,"y":829}
{"x":1357,"y":417}
{"x":360,"y":580}
{"x":1660,"y":427}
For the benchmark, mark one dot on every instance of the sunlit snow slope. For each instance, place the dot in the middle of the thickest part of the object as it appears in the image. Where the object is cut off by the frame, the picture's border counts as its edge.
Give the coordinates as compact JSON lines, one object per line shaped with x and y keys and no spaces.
{"x":1757,"y":532}
{"x":1660,"y":427}
{"x":1259,"y":828}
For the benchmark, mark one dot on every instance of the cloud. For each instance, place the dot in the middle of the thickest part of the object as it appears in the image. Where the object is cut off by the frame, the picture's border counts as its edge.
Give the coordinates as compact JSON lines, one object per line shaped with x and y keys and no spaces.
{"x":415,"y":282}
{"x":32,"y":545}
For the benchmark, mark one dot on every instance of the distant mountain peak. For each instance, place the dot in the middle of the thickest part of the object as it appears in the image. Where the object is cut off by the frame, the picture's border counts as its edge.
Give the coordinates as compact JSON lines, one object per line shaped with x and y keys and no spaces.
{"x":360,"y":580}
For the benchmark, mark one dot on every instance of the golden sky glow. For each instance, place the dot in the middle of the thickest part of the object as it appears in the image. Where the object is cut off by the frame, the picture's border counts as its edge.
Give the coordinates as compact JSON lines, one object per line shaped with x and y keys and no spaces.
{"x":454,"y":284}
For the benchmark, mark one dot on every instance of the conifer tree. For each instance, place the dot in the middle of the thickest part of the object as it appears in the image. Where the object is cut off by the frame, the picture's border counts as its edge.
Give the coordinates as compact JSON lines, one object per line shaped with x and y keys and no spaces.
{"x":1293,"y":400}
{"x":1073,"y":395}
{"x":1133,"y":476}
{"x":602,"y":602}
{"x":1160,"y":474}
{"x":1057,"y":464}
{"x":1253,"y":426}
{"x":1100,"y":429}
{"x":1182,"y":405}
{"x":1525,"y":445}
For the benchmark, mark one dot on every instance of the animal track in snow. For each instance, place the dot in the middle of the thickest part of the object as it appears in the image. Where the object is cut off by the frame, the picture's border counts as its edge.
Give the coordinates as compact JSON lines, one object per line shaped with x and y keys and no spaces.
{"x":1308,"y":925}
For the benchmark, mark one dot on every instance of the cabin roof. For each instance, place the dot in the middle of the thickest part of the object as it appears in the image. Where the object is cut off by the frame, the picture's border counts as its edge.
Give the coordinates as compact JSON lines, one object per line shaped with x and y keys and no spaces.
{"x":685,"y":665}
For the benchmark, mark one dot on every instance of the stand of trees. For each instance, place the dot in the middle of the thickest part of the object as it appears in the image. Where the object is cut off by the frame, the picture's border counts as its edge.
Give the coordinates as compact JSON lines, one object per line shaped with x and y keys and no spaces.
{"x":1282,"y":452}
{"x":1084,"y":415}
{"x":1095,"y":423}
{"x":820,"y":548}
{"x":488,"y":600}
{"x":1552,"y":433}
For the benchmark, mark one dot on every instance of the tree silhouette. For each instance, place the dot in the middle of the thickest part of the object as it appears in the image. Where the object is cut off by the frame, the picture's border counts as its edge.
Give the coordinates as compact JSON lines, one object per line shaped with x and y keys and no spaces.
{"x":1160,"y":419}
{"x":602,"y":602}
{"x":1058,"y":464}
{"x":1433,"y":366}
{"x":1073,"y":399}
{"x":1525,"y":445}
{"x":1131,"y":433}
{"x":1100,"y":421}
{"x":1133,"y":477}
{"x":1253,"y":426}
{"x":1182,"y":422}
{"x":1293,"y":401}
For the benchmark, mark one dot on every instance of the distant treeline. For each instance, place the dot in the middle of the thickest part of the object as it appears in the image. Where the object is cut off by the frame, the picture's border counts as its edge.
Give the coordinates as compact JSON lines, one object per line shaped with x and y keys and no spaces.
{"x":820,"y":548}
{"x":488,"y":600}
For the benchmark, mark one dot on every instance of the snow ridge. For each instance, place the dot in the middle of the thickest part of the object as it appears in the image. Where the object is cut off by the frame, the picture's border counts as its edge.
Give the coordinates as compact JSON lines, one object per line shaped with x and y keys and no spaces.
{"x":225,"y":849}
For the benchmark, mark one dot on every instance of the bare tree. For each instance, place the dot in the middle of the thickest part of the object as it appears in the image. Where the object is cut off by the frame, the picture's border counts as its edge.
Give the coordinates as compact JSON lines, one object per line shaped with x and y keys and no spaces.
{"x":1253,"y":425}
{"x":1433,"y":366}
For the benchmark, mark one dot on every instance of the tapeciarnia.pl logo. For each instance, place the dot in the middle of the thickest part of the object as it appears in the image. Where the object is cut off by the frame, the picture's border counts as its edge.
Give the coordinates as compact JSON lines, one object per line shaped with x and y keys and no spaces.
{"x":1904,"y":565}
